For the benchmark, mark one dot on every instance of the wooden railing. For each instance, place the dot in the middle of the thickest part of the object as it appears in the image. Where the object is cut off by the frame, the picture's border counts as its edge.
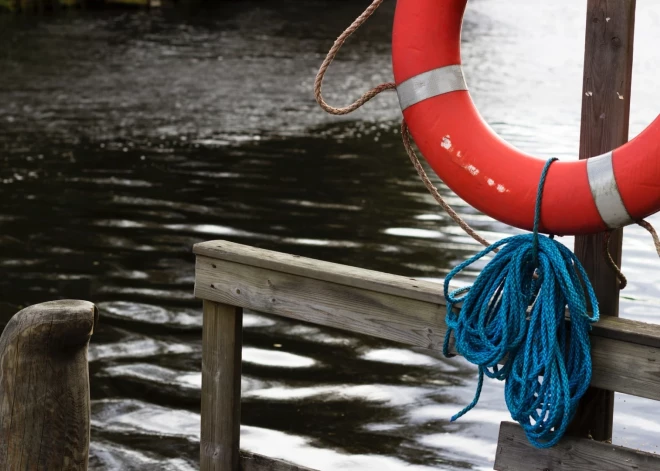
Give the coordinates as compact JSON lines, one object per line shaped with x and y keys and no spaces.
{"x":230,"y":277}
{"x":43,"y":360}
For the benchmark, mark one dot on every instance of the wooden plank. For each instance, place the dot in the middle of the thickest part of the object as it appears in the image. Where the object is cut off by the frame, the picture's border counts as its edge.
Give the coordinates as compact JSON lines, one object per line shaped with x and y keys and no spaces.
{"x":370,"y":281}
{"x":44,"y":387}
{"x":341,"y":306}
{"x":222,"y":341}
{"x":625,"y":367}
{"x":628,"y":330}
{"x":626,"y":354}
{"x":606,"y":94}
{"x":319,"y":270}
{"x":254,"y":462}
{"x":514,"y":453}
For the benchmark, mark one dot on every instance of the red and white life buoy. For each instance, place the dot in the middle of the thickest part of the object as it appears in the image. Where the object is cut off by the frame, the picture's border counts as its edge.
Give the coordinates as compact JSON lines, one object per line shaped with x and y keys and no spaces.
{"x":580,"y":197}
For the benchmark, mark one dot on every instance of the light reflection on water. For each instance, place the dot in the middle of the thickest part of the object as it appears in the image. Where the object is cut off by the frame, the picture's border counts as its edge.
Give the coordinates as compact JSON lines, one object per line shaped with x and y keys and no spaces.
{"x":127,"y":137}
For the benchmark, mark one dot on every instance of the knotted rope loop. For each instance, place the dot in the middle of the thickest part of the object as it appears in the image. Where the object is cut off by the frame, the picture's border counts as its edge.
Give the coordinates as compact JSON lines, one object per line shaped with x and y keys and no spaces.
{"x":607,"y":236}
{"x":318,"y":82}
{"x":513,"y":327}
{"x":623,"y":281}
{"x":656,"y":240}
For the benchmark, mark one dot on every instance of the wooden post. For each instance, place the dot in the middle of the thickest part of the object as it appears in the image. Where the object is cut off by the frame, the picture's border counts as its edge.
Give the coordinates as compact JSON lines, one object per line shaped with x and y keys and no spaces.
{"x":222,"y":340}
{"x":44,"y":387}
{"x":605,"y":117}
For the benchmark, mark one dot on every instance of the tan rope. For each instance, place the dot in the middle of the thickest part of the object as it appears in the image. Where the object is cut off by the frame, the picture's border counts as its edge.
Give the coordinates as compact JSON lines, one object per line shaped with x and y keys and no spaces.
{"x":407,"y":143}
{"x":407,"y":140}
{"x":623,"y":281}
{"x":647,"y":225}
{"x":608,"y":256}
{"x":405,"y":133}
{"x":318,"y":82}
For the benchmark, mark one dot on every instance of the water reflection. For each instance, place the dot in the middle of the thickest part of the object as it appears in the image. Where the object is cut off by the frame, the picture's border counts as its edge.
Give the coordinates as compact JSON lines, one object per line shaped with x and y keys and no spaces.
{"x":111,"y":457}
{"x":275,"y":358}
{"x":180,"y":318}
{"x":135,"y":348}
{"x":127,"y":137}
{"x":301,"y":450}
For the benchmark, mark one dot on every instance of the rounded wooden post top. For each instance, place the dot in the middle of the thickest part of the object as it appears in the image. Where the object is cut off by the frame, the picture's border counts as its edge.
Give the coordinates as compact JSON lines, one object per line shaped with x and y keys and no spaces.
{"x":63,"y":323}
{"x":43,"y":361}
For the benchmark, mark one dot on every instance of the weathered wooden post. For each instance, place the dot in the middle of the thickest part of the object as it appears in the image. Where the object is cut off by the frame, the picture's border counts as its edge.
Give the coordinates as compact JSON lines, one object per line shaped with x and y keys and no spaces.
{"x":608,"y":59}
{"x":222,"y":342}
{"x":44,"y":387}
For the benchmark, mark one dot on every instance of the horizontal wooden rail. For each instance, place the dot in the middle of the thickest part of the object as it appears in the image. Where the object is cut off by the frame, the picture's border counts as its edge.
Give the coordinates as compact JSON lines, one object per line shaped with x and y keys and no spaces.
{"x":626,"y":354}
{"x":514,"y":453}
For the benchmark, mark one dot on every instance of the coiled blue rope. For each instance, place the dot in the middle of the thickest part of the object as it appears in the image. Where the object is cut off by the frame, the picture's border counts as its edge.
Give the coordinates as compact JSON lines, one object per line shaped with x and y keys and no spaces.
{"x":513,"y":326}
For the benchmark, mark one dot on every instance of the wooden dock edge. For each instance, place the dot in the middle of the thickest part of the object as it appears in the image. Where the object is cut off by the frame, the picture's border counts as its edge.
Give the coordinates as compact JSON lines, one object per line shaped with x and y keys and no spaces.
{"x":625,"y":353}
{"x":514,"y":453}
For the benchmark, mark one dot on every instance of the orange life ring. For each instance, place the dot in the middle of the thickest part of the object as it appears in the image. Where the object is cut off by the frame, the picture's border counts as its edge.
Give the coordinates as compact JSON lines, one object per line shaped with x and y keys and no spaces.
{"x":580,"y":197}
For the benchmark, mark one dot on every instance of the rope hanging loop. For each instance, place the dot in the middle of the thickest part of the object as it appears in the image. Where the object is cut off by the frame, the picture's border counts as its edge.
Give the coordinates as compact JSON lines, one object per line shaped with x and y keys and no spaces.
{"x":511,"y":322}
{"x":318,"y":81}
{"x":512,"y":325}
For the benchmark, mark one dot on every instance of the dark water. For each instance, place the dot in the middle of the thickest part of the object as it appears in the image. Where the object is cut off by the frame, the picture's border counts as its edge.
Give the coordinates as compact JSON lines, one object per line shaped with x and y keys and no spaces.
{"x":127,"y":137}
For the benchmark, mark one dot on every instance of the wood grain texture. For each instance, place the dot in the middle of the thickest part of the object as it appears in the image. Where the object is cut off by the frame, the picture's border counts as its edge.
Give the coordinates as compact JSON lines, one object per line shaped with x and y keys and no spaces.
{"x":626,"y":354}
{"x":212,"y":252}
{"x":625,"y":367}
{"x":44,"y":387}
{"x":254,"y":462}
{"x":222,"y":341}
{"x":627,"y":330}
{"x":342,"y":306}
{"x":320,"y":270}
{"x":605,"y":117}
{"x":514,"y":453}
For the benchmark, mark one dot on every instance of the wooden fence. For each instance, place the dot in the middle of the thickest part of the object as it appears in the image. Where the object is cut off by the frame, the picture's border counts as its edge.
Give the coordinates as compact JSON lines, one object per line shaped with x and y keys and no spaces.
{"x":43,"y":360}
{"x":231,"y":277}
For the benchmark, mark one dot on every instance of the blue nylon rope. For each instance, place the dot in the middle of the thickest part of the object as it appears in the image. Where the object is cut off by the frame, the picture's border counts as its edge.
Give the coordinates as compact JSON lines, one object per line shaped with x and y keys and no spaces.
{"x":508,"y":314}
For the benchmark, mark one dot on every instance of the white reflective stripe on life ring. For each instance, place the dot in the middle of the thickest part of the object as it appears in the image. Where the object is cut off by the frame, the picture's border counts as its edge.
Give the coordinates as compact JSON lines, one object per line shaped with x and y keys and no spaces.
{"x":605,"y":191}
{"x":429,"y":84}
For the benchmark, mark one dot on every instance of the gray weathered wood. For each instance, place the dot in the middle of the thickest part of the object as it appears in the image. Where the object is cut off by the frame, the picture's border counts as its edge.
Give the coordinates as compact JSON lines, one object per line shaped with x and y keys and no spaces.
{"x":627,"y":330}
{"x":342,"y":306}
{"x":254,"y":462}
{"x":626,"y":354}
{"x":625,"y":367}
{"x":221,"y":387}
{"x":44,"y":387}
{"x":605,"y":116}
{"x":320,"y":270}
{"x":514,"y":453}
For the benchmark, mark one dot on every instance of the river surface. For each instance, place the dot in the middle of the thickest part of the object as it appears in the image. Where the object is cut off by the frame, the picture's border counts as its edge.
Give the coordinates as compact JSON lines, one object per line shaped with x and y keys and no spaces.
{"x":126,"y":137}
